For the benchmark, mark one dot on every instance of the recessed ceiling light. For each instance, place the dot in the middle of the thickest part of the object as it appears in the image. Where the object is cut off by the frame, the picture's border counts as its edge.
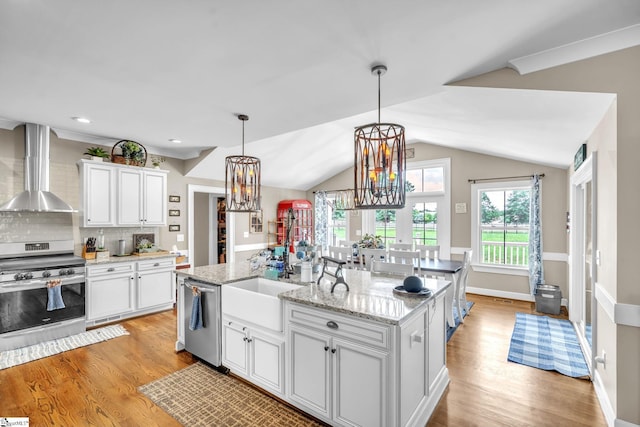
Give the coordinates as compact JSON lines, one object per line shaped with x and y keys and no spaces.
{"x":175,"y":141}
{"x":81,"y":119}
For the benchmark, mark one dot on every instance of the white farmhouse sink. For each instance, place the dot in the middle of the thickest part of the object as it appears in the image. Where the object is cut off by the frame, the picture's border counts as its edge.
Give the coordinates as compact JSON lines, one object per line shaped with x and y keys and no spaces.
{"x":256,"y":301}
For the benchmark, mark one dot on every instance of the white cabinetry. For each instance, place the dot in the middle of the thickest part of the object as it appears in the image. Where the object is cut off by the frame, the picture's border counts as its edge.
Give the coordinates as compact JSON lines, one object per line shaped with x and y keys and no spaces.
{"x":156,"y":283}
{"x":254,"y":354}
{"x":122,"y":196}
{"x":98,"y":194}
{"x":339,"y":367}
{"x":350,"y":371}
{"x":126,"y":289}
{"x":110,"y":291}
{"x":142,"y":197}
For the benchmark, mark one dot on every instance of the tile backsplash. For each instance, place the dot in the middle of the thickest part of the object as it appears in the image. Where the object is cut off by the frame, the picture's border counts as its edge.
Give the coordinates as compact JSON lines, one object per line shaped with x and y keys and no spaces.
{"x":113,"y":234}
{"x":39,"y":226}
{"x":35,"y":226}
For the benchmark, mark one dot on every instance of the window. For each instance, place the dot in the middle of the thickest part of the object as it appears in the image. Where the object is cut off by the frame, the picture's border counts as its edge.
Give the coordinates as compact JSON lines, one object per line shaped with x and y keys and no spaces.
{"x":426,"y":217}
{"x":386,"y":225}
{"x":426,"y":180}
{"x":337,"y":223}
{"x":501,"y":224}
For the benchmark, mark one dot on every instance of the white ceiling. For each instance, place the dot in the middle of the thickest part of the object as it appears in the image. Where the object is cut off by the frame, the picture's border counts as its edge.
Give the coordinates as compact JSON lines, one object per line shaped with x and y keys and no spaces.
{"x":152,"y":70}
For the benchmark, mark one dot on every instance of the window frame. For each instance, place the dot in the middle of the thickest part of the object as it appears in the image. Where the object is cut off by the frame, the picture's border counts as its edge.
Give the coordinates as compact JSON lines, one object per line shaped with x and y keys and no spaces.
{"x":476,"y":229}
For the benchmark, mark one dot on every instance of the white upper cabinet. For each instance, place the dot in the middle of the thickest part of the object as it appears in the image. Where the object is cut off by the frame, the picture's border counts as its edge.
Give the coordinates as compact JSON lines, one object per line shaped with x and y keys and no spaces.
{"x":123,"y":196}
{"x":98,"y":183}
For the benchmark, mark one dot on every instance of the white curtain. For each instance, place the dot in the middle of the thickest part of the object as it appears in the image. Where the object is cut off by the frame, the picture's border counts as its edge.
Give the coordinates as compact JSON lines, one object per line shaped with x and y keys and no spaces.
{"x":536,"y":269}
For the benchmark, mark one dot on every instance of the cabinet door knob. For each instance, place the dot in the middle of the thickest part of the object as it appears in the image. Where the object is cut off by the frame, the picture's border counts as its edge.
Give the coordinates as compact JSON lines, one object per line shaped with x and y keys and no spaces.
{"x":249,"y":340}
{"x":333,"y":350}
{"x":332,"y":325}
{"x":326,"y":348}
{"x":244,"y":339}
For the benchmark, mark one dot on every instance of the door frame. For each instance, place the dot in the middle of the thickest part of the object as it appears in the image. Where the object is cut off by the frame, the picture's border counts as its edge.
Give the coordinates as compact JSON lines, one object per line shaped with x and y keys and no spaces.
{"x":586,"y":173}
{"x":218,"y":192}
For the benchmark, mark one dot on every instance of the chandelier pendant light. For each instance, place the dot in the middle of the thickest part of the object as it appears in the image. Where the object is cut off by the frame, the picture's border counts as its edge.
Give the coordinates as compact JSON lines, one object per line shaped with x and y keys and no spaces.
{"x":242,"y":180}
{"x":379,"y":162}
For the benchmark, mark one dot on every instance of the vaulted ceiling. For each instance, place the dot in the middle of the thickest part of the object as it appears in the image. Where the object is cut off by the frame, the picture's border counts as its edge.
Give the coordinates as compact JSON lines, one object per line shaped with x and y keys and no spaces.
{"x":154,"y":70}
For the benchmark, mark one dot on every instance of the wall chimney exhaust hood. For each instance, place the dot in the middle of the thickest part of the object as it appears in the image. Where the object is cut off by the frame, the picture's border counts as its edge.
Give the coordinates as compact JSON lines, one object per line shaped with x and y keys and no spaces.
{"x":36,"y":197}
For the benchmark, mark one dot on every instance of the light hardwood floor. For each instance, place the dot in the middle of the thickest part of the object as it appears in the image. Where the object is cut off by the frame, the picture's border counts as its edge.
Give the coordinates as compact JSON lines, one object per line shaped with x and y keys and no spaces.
{"x":97,"y":385}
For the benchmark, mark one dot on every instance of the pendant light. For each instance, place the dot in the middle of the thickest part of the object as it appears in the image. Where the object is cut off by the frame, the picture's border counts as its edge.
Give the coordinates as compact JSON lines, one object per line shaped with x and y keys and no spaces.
{"x":242,"y":180}
{"x":380,"y":162}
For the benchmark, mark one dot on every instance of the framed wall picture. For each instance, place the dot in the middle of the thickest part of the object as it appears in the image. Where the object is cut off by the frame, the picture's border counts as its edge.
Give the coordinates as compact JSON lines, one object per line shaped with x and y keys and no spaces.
{"x":174,"y":212}
{"x":174,"y":199}
{"x":174,"y":227}
{"x":255,"y":222}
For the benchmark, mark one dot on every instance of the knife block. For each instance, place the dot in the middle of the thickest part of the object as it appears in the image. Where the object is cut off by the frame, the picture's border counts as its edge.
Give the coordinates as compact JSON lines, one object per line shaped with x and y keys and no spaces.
{"x":88,"y":255}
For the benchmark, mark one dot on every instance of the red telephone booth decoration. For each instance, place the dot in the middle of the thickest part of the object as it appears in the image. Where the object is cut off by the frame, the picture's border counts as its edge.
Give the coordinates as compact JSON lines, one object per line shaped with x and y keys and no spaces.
{"x":302,"y":226}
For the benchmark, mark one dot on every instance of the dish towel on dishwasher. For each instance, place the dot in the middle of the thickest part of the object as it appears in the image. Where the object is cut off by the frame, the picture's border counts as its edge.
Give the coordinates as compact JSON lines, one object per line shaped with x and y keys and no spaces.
{"x":54,"y":295}
{"x":196,"y":310}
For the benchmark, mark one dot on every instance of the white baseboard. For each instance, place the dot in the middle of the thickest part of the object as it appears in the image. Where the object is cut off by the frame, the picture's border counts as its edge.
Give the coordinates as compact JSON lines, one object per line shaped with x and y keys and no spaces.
{"x":506,"y":294}
{"x":603,"y":398}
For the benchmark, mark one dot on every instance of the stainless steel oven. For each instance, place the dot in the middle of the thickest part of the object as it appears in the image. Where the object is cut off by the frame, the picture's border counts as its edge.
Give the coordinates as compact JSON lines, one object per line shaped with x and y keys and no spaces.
{"x":42,"y":293}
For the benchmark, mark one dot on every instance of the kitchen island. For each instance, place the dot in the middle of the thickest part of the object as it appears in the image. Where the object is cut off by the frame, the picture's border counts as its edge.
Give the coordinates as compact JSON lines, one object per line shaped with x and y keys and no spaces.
{"x":367,"y":356}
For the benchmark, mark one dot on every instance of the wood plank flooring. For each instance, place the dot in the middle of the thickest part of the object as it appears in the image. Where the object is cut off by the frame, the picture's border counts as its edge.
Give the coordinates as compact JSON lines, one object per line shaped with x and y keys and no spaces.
{"x":97,"y":385}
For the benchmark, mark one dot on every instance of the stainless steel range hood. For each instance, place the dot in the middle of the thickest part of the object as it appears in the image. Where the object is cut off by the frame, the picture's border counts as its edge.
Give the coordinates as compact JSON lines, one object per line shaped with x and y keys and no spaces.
{"x":36,"y":197}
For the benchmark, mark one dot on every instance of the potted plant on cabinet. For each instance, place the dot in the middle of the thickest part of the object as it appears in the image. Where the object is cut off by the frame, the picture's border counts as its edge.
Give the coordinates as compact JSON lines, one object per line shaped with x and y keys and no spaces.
{"x":97,"y":153}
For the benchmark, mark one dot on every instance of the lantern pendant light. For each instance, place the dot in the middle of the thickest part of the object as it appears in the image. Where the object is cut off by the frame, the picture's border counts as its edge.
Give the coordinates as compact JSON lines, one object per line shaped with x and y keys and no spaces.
{"x":379,"y":162}
{"x":242,"y":180}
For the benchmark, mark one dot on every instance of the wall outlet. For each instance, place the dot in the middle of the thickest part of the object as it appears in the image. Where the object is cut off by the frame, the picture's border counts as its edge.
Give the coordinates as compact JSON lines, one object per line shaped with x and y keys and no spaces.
{"x":358,"y":232}
{"x":246,"y":234}
{"x":461,"y":208}
{"x":179,"y":237}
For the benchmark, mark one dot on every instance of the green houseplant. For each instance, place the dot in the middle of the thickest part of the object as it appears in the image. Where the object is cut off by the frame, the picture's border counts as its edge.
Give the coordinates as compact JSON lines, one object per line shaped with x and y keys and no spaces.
{"x":97,"y":152}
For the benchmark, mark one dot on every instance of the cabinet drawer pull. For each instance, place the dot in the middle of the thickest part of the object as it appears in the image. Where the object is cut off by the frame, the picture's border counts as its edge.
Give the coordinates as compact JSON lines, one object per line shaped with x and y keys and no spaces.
{"x":332,"y":325}
{"x":157,"y":264}
{"x":111,"y":269}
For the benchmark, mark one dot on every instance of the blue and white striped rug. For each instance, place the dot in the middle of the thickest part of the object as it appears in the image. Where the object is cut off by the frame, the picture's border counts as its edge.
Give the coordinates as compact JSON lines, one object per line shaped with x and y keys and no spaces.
{"x":22,"y":355}
{"x":546,"y":343}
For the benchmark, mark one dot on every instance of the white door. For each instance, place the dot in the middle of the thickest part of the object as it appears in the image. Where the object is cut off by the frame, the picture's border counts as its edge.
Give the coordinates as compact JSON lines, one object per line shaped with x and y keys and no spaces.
{"x":129,"y":197}
{"x":266,"y":361}
{"x":360,"y":384}
{"x":155,"y":198}
{"x":309,"y":370}
{"x":425,"y":221}
{"x":234,"y":347}
{"x":99,"y":196}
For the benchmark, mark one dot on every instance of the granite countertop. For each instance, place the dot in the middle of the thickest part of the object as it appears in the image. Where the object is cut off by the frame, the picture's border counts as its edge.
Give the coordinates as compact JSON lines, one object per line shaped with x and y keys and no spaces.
{"x":369,"y":296}
{"x":128,"y":258}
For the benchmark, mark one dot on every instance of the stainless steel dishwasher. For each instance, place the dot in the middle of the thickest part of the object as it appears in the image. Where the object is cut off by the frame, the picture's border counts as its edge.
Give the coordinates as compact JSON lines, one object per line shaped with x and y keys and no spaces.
{"x":206,"y":342}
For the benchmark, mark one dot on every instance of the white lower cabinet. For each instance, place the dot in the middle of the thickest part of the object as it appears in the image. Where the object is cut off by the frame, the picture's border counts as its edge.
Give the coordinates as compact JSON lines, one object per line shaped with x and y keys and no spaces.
{"x":350,"y":371}
{"x":126,"y":289}
{"x":340,"y":374}
{"x":254,"y":354}
{"x":156,"y":283}
{"x":110,"y":291}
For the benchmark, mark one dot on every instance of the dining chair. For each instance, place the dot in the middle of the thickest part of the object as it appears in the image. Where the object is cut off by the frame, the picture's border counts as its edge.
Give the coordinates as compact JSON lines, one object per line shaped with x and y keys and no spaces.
{"x":342,"y":253}
{"x":405,"y":257}
{"x":461,"y":298}
{"x":401,"y":246}
{"x":367,"y":255}
{"x":391,"y":268}
{"x":429,"y":251}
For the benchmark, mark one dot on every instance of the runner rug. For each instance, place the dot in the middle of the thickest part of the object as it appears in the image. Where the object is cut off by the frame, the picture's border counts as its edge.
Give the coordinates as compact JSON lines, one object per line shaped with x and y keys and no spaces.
{"x":22,"y":355}
{"x":456,"y":319}
{"x":199,"y":396}
{"x":546,"y":343}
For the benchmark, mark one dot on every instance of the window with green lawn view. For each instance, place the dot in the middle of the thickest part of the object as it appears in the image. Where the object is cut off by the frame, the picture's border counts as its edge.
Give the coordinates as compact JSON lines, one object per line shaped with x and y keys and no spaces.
{"x":502,"y":228}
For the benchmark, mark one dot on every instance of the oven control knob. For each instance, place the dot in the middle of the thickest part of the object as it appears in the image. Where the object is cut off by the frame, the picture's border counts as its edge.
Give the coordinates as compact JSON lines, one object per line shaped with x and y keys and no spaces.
{"x":19,"y":276}
{"x":46,"y":273}
{"x":62,"y":272}
{"x":28,"y":276}
{"x":71,"y":271}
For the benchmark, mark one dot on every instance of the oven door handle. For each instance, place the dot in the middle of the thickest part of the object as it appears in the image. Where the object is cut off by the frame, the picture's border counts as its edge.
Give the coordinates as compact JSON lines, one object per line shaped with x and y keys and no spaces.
{"x":25,"y":285}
